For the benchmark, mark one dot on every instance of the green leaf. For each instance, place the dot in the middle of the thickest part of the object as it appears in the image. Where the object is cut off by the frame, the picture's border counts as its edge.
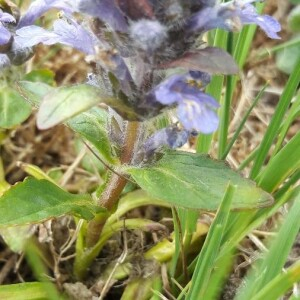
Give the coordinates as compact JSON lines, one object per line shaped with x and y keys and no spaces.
{"x":197,"y":181}
{"x":287,"y":58}
{"x":13,"y":109}
{"x":294,"y":19}
{"x":33,"y":92}
{"x":64,"y":103}
{"x":43,"y":75}
{"x":25,"y":291}
{"x":16,"y":237}
{"x":34,"y":201}
{"x":92,"y":125}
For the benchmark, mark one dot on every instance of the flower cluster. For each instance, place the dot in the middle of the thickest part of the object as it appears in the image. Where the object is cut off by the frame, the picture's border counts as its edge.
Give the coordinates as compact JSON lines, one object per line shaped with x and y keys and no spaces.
{"x":139,"y":42}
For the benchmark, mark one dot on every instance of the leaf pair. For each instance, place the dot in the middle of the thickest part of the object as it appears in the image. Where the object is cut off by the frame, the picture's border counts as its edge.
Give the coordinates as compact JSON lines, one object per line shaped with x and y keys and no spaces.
{"x":182,"y":179}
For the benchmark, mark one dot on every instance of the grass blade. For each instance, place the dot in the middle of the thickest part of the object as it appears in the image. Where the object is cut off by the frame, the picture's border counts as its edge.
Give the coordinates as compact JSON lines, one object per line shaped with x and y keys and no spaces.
{"x":281,"y":166}
{"x":242,"y":123}
{"x":210,"y":250}
{"x":267,"y":269}
{"x":294,"y":112}
{"x":214,"y":89}
{"x":280,"y":284}
{"x":275,"y":123}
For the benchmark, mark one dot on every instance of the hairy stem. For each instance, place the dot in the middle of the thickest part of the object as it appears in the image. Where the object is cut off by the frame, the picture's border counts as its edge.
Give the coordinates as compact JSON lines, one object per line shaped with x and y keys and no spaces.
{"x":114,"y":186}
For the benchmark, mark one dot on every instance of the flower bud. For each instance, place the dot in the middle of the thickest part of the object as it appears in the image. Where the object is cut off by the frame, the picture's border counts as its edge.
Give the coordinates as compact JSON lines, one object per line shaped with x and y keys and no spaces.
{"x":148,"y":35}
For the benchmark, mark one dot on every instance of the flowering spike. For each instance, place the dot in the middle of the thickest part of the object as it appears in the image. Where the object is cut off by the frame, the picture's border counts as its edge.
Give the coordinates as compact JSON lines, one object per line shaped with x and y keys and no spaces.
{"x":135,"y":43}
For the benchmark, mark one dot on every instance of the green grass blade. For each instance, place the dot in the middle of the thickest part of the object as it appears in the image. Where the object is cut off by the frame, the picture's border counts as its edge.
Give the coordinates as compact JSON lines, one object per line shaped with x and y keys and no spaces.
{"x":273,"y":262}
{"x":214,"y":89}
{"x":178,"y":241}
{"x":220,"y":274}
{"x":226,"y":105}
{"x":280,"y":284}
{"x":36,"y":260}
{"x":277,"y":118}
{"x":248,"y":160}
{"x":241,"y":223}
{"x":290,"y":43}
{"x":242,"y":123}
{"x":184,"y":227}
{"x":287,"y":185}
{"x":240,"y":53}
{"x":294,"y":112}
{"x":281,"y":166}
{"x":25,"y":291}
{"x":210,"y":249}
{"x":244,"y":41}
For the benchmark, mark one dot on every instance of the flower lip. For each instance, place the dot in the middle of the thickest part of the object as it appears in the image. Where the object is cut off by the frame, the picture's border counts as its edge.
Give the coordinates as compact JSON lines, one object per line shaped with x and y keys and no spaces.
{"x":6,"y":17}
{"x":39,"y":7}
{"x":105,"y":10}
{"x":231,"y":16}
{"x":5,"y":38}
{"x":195,"y":109}
{"x":172,"y":137}
{"x":66,"y":31}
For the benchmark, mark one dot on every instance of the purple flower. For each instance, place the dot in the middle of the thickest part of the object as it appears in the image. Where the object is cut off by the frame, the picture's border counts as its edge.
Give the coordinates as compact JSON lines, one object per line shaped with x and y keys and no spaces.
{"x":269,"y":25}
{"x":39,"y":7}
{"x":5,"y":35}
{"x":105,"y":10}
{"x":6,"y":17}
{"x":65,"y":31}
{"x":231,"y":16}
{"x":112,"y":61}
{"x":195,"y":109}
{"x":171,"y":137}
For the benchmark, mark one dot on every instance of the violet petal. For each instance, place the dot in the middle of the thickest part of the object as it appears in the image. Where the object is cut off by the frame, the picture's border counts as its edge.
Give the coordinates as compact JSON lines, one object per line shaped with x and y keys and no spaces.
{"x":39,"y":7}
{"x":6,"y":17}
{"x":195,"y":115}
{"x":105,"y":10}
{"x":73,"y":34}
{"x":5,"y":35}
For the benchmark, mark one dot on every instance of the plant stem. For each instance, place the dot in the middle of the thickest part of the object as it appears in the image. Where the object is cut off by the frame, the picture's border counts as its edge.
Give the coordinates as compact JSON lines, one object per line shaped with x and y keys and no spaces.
{"x":114,"y":187}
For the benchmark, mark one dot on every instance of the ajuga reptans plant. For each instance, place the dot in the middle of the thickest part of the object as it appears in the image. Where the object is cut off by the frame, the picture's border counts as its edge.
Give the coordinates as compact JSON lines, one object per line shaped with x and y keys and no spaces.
{"x":150,"y":59}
